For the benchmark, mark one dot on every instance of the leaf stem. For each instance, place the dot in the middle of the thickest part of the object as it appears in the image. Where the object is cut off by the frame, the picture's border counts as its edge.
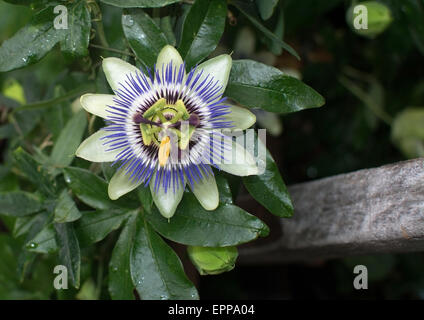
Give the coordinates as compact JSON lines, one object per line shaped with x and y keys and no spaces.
{"x":48,"y":103}
{"x":112,"y":50}
{"x":101,"y":33}
{"x":367,"y":100}
{"x":98,"y":22}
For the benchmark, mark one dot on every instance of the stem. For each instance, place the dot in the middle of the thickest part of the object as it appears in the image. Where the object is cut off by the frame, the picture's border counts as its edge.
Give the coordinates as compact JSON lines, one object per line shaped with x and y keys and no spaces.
{"x":91,"y":124}
{"x":369,"y":102}
{"x":48,"y":103}
{"x":101,"y":33}
{"x":97,"y":19}
{"x":113,"y":50}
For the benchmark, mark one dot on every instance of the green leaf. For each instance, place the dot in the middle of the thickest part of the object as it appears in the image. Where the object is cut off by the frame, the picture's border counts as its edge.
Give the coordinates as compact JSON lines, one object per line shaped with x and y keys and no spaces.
{"x":107,"y":170}
{"x":275,"y":48}
{"x":192,"y":225}
{"x":7,"y":131}
{"x":33,"y":171}
{"x":266,"y":8}
{"x":19,"y":203}
{"x":75,"y":42}
{"x":156,"y":270}
{"x":23,"y":224}
{"x":120,"y":282}
{"x":144,"y":36}
{"x":24,"y":122}
{"x":145,"y":197}
{"x":26,"y":2}
{"x":225,"y":195}
{"x":139,"y":3}
{"x":8,"y":180}
{"x":31,"y":43}
{"x":202,"y":30}
{"x":268,"y":188}
{"x":66,"y":209}
{"x":167,"y":28}
{"x":69,"y":252}
{"x":95,"y":226}
{"x":44,"y":241}
{"x":25,"y":258}
{"x":182,"y":12}
{"x":36,"y":39}
{"x":56,"y":118}
{"x":256,"y":85}
{"x":249,"y":10}
{"x":92,"y":190}
{"x":70,"y":138}
{"x":37,"y":287}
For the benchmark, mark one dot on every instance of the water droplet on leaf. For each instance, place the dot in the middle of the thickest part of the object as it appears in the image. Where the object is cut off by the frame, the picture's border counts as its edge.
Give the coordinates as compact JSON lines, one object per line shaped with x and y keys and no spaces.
{"x":32,"y":245}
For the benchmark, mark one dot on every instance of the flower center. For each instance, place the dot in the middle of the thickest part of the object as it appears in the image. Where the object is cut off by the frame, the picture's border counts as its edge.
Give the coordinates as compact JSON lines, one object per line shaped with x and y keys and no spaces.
{"x":164,"y":123}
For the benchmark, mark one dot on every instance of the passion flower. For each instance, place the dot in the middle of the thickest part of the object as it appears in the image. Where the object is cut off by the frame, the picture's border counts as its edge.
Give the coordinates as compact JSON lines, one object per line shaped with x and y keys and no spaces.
{"x":159,"y":127}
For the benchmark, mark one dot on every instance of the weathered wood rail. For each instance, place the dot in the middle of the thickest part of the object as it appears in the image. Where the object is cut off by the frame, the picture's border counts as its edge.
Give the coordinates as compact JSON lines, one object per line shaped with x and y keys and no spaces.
{"x":368,"y":211}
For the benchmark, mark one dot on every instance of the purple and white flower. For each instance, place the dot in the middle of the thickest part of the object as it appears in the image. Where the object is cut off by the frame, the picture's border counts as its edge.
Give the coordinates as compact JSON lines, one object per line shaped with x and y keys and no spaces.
{"x":159,"y":129}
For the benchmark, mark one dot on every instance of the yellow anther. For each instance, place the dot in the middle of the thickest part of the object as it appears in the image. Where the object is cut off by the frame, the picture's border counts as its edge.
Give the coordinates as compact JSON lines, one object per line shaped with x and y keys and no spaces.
{"x":164,"y":150}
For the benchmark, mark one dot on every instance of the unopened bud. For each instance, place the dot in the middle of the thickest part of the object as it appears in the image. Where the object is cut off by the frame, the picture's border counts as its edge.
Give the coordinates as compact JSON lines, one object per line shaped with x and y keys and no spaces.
{"x":209,"y":260}
{"x":369,"y":18}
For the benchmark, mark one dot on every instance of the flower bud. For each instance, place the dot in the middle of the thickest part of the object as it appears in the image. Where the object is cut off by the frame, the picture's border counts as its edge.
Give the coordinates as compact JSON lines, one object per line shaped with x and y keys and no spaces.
{"x":209,"y":260}
{"x":369,"y":18}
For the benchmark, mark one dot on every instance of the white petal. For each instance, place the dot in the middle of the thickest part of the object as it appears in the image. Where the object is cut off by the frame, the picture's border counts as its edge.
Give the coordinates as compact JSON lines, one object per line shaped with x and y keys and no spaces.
{"x":242,"y":163}
{"x":168,"y":54}
{"x":218,"y":67}
{"x":116,"y":71}
{"x":167,"y":202}
{"x":121,"y":184}
{"x":206,"y":191}
{"x":241,"y":117}
{"x":92,"y":148}
{"x":97,"y":103}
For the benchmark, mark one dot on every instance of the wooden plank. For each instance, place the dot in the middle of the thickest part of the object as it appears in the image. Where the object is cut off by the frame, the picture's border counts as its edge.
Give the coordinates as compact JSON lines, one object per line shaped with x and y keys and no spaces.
{"x":368,"y":211}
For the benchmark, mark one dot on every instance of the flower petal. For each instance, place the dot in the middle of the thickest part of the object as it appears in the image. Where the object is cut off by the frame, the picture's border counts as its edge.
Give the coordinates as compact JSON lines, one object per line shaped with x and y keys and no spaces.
{"x":116,"y":71}
{"x":206,"y":191}
{"x":97,"y":103}
{"x":218,"y":67}
{"x":92,"y":148}
{"x":121,"y":184}
{"x":241,"y":117}
{"x":242,"y":162}
{"x":167,"y":202}
{"x":168,"y":54}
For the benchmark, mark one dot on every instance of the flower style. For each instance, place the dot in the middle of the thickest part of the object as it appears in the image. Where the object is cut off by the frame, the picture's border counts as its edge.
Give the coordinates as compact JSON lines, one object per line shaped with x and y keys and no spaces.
{"x":154,"y":119}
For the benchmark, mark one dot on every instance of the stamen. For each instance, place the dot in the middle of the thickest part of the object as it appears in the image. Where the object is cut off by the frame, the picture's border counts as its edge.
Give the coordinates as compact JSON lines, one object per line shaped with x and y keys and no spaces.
{"x":164,"y":150}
